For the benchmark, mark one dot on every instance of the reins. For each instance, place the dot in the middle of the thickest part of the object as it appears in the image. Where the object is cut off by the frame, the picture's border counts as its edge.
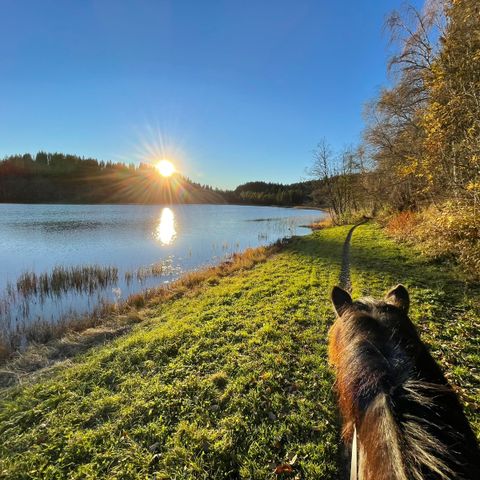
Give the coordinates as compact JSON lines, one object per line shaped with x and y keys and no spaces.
{"x":354,"y":460}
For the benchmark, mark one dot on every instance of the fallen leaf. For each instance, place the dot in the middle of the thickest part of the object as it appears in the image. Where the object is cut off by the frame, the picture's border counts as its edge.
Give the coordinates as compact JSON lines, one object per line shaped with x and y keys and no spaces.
{"x":284,"y":468}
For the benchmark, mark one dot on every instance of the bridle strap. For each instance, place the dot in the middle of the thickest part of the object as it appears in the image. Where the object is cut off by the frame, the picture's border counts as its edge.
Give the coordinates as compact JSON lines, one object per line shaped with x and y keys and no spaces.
{"x":354,"y":461}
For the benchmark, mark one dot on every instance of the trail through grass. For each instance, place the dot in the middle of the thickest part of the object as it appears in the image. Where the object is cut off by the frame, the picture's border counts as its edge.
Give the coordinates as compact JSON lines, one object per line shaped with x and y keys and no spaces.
{"x":232,"y":380}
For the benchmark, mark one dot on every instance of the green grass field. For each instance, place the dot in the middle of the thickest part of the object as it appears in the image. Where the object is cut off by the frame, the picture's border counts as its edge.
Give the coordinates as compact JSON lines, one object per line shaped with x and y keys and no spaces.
{"x":231,"y":380}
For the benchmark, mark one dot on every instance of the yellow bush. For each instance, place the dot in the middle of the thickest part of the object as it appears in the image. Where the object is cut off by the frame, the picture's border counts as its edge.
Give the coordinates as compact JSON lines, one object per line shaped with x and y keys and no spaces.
{"x":453,"y":229}
{"x":448,"y":230}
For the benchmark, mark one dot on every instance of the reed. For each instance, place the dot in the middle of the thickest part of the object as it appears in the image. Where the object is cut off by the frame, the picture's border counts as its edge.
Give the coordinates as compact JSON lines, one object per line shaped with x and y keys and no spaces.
{"x":326,"y":222}
{"x":86,"y":279}
{"x":16,"y":326}
{"x":128,"y":277}
{"x":155,"y":270}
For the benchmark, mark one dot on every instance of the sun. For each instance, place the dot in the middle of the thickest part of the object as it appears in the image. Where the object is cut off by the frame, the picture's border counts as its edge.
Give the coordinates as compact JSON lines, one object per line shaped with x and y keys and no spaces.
{"x":165,"y":168}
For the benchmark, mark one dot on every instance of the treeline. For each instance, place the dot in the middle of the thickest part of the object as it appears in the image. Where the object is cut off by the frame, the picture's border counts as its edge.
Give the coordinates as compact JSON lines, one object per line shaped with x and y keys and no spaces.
{"x":418,"y":166}
{"x":61,"y":178}
{"x":263,"y":193}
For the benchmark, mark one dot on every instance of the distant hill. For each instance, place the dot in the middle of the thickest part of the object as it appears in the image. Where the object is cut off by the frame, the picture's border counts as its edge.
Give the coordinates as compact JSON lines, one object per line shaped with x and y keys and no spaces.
{"x":64,"y":178}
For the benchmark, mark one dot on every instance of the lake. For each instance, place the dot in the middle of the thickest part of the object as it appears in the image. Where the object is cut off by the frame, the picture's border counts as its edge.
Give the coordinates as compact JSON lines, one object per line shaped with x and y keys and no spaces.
{"x":120,"y":250}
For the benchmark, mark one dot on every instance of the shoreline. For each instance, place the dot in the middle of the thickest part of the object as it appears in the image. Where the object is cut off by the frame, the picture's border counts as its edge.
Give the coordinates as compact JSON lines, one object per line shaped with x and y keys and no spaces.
{"x":300,"y":207}
{"x":29,"y":285}
{"x":69,"y":337}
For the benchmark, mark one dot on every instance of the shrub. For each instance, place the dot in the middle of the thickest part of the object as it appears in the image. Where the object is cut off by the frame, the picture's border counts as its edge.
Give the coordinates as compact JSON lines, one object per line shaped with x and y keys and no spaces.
{"x":402,"y":225}
{"x":452,"y":230}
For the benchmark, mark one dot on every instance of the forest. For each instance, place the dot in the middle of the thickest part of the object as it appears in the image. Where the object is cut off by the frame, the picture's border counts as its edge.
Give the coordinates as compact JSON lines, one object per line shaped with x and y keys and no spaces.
{"x":263,"y":193}
{"x":62,"y":178}
{"x":417,"y":169}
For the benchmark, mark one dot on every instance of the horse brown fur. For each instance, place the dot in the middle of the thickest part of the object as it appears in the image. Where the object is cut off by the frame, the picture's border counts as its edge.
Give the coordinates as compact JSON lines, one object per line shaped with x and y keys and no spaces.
{"x":409,"y":422}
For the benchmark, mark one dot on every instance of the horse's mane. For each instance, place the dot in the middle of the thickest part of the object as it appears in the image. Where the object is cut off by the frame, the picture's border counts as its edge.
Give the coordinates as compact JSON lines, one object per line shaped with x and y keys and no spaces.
{"x":402,"y":449}
{"x":403,"y":416}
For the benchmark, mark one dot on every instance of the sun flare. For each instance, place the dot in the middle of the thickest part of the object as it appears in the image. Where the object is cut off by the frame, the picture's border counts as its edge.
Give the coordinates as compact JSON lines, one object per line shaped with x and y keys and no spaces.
{"x":165,"y":168}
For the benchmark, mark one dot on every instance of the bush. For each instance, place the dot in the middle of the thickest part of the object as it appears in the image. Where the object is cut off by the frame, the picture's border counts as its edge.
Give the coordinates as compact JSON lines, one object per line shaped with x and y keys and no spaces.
{"x":449,"y":230}
{"x":402,"y":225}
{"x":452,"y":230}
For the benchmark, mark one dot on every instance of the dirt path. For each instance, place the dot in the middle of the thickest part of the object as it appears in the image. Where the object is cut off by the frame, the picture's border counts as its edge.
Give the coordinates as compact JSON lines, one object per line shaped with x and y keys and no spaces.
{"x":344,"y":278}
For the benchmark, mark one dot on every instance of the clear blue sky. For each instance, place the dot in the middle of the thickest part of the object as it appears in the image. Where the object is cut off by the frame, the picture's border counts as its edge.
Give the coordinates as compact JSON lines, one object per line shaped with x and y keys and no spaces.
{"x":229,"y":90}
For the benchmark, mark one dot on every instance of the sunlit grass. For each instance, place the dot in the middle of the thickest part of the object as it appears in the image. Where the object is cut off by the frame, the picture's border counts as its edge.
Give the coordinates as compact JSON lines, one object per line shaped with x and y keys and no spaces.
{"x":226,"y":375}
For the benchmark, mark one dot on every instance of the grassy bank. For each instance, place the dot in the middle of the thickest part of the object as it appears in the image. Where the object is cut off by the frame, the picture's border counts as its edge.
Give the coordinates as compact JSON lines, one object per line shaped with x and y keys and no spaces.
{"x":230,"y":381}
{"x":48,"y":342}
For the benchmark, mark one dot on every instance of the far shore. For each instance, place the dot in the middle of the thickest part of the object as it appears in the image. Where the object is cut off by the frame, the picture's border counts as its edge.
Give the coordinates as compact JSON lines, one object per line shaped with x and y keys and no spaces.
{"x":300,"y":207}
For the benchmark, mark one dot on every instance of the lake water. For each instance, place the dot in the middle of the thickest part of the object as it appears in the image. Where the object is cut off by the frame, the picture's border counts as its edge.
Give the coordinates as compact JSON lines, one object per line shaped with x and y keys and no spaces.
{"x":146,"y":245}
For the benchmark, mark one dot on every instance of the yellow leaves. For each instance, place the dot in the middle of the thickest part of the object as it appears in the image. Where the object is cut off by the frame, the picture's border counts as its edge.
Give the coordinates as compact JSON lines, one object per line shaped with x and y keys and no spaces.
{"x":472,"y":131}
{"x":473,"y":186}
{"x":409,"y":168}
{"x":431,"y":119}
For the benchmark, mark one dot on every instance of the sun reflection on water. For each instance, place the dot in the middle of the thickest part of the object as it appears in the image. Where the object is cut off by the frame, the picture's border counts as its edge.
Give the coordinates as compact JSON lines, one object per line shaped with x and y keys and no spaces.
{"x":165,"y":232}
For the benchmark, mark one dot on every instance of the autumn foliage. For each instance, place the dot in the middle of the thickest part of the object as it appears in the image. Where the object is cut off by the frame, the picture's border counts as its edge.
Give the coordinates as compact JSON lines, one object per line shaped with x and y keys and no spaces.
{"x":423,"y":133}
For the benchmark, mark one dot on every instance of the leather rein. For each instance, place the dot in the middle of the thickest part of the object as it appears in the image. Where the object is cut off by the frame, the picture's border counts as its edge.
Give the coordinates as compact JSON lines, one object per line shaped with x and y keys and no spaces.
{"x":354,"y":460}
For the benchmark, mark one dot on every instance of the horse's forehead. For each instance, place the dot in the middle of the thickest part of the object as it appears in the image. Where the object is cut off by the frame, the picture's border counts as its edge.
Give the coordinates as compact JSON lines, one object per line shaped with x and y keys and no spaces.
{"x":371,"y":305}
{"x":378,"y":310}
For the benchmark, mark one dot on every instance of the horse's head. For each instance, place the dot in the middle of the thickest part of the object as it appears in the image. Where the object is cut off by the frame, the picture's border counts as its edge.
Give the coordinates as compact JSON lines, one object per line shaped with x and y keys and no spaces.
{"x":393,"y":308}
{"x":380,"y":323}
{"x":372,"y":346}
{"x":408,"y":420}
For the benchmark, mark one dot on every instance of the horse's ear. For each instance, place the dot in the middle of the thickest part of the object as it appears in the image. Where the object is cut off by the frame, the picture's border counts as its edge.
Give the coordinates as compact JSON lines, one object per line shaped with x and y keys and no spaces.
{"x":341,"y":300}
{"x":399,"y":297}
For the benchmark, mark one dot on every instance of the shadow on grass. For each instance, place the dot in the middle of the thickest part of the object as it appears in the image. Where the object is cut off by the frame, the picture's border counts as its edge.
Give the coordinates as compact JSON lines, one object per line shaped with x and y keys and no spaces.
{"x":388,"y":260}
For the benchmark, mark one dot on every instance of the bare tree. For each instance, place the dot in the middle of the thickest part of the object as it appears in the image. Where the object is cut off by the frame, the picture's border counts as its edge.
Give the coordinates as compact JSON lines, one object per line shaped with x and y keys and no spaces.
{"x":340,"y":179}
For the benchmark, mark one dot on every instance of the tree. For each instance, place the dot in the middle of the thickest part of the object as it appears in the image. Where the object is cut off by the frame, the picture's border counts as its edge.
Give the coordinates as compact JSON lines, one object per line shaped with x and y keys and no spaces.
{"x":452,"y":118}
{"x":339,"y":177}
{"x":41,"y":159}
{"x":394,"y":134}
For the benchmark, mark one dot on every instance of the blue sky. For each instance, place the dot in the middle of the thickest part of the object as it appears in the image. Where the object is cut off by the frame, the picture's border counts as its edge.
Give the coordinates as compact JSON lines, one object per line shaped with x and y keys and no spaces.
{"x":230,"y":91}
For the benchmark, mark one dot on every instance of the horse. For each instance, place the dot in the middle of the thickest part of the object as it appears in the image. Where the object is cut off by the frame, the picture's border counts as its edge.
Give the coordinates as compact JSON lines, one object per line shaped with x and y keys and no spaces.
{"x":401,"y":418}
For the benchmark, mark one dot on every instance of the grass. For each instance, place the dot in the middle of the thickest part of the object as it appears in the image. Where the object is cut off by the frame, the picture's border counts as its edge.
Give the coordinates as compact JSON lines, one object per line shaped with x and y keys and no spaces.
{"x":228,"y":378}
{"x":45,"y":340}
